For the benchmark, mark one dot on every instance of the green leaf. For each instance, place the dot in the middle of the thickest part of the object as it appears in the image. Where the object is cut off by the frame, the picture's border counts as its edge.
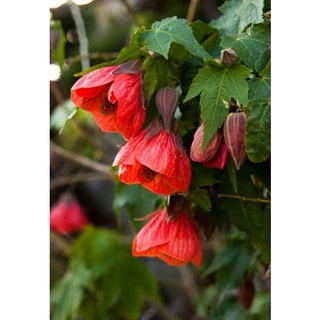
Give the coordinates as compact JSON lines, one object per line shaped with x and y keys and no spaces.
{"x":159,"y":73}
{"x":248,"y":216}
{"x":250,"y":47}
{"x":237,"y":15}
{"x":202,"y":177}
{"x":218,"y":83}
{"x":206,"y":35}
{"x":260,"y":87}
{"x":263,"y":64}
{"x":265,"y":242}
{"x":137,"y":201}
{"x":231,"y":262}
{"x":68,"y":293}
{"x":201,"y":198}
{"x":169,"y":30}
{"x":258,"y":132}
{"x":62,"y":114}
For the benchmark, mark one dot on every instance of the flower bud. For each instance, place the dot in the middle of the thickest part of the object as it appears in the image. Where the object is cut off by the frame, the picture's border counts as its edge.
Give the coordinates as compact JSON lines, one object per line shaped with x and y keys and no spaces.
{"x":228,"y":56}
{"x":234,"y":135}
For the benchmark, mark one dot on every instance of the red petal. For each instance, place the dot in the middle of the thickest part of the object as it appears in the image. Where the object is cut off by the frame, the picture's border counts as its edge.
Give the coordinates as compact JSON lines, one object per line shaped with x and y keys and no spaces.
{"x":221,"y":159}
{"x":95,"y":78}
{"x":176,"y":242}
{"x":156,"y":232}
{"x":105,"y":123}
{"x":158,"y":185}
{"x":126,"y":155}
{"x":127,"y":88}
{"x":182,"y":180}
{"x":91,"y":104}
{"x":159,"y":154}
{"x":186,"y":244}
{"x":129,"y":174}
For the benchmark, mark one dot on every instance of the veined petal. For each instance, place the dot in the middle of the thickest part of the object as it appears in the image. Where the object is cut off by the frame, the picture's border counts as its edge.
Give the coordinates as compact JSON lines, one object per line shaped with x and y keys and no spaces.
{"x":132,"y":125}
{"x":157,"y":184}
{"x":105,"y":123}
{"x":156,"y":232}
{"x":181,"y":181}
{"x":95,"y":78}
{"x":160,"y":154}
{"x":90,"y":104}
{"x":186,"y":244}
{"x":126,"y":155}
{"x":127,"y":88}
{"x":129,"y":173}
{"x":154,"y":252}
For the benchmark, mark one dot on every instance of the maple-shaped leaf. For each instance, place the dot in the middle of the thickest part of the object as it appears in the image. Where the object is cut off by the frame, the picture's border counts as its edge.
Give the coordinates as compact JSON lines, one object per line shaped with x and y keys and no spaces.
{"x":260,"y":87}
{"x":217,"y":83}
{"x":163,"y":33}
{"x":258,"y":131}
{"x":249,"y":46}
{"x":237,"y":15}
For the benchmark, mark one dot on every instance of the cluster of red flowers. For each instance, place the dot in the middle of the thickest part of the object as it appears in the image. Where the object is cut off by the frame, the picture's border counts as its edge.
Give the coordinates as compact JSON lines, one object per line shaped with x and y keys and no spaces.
{"x":153,"y":156}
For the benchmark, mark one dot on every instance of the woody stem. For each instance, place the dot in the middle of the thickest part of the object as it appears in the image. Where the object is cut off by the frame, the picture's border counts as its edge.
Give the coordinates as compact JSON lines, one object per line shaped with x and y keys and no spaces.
{"x":81,"y":160}
{"x":192,"y":10}
{"x":234,"y":196}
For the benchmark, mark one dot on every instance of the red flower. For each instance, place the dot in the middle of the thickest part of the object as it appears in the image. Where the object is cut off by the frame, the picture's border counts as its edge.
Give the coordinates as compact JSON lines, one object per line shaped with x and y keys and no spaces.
{"x":156,"y":159}
{"x":67,"y":215}
{"x":216,"y":154}
{"x":114,"y":96}
{"x":176,"y":241}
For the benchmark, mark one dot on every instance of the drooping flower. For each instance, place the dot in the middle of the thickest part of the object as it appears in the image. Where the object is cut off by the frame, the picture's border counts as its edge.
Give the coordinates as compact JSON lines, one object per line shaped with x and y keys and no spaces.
{"x":216,"y":154}
{"x":114,"y":96}
{"x":67,"y":215}
{"x":156,"y":159}
{"x":174,"y":240}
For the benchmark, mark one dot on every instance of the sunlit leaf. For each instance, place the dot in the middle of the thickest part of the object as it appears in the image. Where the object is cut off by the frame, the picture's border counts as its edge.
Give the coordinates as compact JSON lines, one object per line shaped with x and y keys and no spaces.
{"x":170,"y":30}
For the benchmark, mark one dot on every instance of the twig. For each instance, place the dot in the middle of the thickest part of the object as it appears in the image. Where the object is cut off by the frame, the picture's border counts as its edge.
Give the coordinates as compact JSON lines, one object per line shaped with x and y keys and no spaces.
{"x":162,"y":309}
{"x":76,"y":178}
{"x":131,"y":12}
{"x":95,"y":55}
{"x":82,"y":160}
{"x":234,"y":196}
{"x":192,"y":10}
{"x":82,"y":35}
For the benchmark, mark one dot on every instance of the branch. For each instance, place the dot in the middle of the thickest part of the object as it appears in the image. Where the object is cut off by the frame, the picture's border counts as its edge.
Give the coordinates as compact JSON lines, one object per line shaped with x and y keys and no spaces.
{"x":234,"y":196}
{"x":82,"y":35}
{"x":82,"y":160}
{"x":95,"y":55}
{"x":162,"y":309}
{"x":76,"y":178}
{"x":192,"y":10}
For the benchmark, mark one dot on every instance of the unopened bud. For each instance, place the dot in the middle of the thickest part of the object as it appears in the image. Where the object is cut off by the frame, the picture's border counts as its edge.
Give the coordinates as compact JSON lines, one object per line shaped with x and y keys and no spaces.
{"x":228,"y":56}
{"x":234,"y":134}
